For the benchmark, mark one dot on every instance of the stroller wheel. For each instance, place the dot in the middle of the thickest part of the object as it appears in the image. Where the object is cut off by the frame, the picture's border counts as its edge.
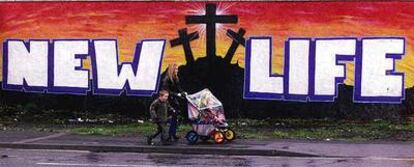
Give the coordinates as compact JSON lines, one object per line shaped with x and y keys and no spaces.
{"x":229,"y":135}
{"x":218,"y":137}
{"x":192,"y":137}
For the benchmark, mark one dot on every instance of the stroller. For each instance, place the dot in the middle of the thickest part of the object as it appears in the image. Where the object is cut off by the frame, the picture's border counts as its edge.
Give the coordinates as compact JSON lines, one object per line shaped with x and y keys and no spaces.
{"x":206,"y":114}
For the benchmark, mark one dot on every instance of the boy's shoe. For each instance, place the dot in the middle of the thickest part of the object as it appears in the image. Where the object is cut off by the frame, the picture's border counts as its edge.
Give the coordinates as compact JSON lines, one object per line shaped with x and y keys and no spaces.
{"x":149,"y":141}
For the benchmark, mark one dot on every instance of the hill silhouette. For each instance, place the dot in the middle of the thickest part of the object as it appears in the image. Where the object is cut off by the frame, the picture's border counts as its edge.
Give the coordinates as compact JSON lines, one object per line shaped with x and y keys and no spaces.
{"x":223,"y":79}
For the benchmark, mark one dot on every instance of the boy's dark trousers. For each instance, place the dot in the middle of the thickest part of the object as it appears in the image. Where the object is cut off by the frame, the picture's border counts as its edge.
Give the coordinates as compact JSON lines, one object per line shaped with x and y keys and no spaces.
{"x":161,"y":129}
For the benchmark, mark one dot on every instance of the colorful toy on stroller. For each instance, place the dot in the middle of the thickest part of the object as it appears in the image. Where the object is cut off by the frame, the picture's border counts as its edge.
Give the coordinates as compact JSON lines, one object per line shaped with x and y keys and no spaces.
{"x":206,"y":113}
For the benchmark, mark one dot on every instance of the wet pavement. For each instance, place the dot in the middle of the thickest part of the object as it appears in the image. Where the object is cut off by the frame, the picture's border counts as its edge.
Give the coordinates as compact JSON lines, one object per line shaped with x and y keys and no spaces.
{"x":365,"y":149}
{"x":54,"y":158}
{"x":331,"y":153}
{"x":323,"y":148}
{"x":14,"y":136}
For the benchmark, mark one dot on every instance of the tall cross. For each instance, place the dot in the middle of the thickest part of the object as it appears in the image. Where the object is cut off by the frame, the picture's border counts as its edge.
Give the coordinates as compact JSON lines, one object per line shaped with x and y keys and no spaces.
{"x":238,"y":39}
{"x":210,"y":19}
{"x":185,"y":39}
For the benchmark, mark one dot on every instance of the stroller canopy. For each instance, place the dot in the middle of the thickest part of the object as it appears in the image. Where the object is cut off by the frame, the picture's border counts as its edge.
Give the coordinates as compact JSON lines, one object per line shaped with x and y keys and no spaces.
{"x":203,"y":100}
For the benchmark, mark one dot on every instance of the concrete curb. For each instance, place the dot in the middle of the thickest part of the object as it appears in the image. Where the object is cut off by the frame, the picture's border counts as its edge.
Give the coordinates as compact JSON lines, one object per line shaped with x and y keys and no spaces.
{"x":161,"y":149}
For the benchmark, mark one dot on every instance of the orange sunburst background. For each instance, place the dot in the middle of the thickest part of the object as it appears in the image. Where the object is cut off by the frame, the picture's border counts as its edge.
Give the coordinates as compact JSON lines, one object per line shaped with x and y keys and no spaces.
{"x":130,"y":22}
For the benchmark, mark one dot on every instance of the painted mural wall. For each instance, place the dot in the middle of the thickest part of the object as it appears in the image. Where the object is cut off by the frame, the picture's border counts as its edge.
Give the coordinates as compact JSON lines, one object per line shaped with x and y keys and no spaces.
{"x":281,"y":57}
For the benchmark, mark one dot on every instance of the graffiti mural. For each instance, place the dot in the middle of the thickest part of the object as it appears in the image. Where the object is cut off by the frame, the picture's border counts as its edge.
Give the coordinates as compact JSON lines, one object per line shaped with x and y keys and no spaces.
{"x":284,"y":57}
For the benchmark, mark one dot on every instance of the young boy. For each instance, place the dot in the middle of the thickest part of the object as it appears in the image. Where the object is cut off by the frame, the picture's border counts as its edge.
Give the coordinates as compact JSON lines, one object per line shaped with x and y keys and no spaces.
{"x":159,"y":114}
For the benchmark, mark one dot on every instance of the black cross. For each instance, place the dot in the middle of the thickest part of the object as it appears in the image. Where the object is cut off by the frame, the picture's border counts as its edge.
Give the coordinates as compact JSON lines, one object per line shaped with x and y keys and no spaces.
{"x":185,"y":39}
{"x":237,"y":40}
{"x":210,"y":19}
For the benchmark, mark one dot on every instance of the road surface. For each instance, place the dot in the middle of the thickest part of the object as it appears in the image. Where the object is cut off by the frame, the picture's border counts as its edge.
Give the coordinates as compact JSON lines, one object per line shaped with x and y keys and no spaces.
{"x":74,"y":158}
